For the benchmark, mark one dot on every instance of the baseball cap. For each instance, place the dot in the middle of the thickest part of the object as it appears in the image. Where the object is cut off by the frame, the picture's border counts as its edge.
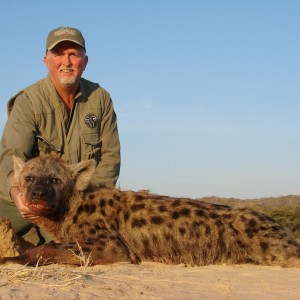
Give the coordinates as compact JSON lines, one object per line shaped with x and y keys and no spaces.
{"x":61,"y":34}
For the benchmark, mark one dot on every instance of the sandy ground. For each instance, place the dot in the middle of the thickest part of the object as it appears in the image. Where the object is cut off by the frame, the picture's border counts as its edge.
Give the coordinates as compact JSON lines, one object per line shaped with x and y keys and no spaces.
{"x":149,"y":281}
{"x":146,"y":281}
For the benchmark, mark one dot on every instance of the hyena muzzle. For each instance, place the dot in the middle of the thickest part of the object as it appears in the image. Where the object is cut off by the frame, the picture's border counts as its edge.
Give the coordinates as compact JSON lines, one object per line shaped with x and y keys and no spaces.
{"x":113,"y":226}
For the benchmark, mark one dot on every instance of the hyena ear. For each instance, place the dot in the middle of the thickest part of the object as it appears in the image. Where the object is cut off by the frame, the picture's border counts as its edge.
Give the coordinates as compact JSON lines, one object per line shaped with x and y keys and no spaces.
{"x":82,"y":173}
{"x":18,"y":167}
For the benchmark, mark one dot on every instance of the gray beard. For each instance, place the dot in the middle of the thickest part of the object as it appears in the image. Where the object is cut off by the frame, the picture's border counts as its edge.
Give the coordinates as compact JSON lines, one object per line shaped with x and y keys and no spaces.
{"x":68,"y":82}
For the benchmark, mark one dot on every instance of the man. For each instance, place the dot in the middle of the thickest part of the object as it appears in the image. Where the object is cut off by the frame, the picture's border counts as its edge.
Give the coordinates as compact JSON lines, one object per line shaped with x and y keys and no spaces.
{"x":63,"y":114}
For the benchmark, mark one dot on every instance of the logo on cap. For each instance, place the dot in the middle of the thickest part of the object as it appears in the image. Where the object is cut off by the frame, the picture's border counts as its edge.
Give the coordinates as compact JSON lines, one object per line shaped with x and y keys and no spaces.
{"x":90,"y":120}
{"x":64,"y":31}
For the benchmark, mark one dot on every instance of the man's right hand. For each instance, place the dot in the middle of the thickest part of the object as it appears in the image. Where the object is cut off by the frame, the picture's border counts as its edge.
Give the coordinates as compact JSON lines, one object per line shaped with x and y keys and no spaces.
{"x":21,"y":204}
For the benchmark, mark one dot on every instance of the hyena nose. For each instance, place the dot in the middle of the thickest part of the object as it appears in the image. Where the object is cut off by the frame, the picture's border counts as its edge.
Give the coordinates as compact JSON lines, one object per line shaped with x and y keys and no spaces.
{"x":38,"y":194}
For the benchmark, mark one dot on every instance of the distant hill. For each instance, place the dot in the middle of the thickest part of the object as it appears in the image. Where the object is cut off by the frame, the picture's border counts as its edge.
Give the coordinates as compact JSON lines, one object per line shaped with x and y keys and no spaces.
{"x":290,"y":200}
{"x":284,"y":209}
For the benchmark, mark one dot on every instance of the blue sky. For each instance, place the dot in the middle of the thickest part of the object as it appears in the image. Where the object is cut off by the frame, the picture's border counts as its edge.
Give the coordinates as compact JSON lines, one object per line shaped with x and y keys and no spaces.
{"x":206,"y":92}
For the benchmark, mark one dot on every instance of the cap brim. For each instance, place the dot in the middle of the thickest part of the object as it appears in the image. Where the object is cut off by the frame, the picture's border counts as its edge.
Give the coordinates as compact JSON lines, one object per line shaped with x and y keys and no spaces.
{"x":56,"y":43}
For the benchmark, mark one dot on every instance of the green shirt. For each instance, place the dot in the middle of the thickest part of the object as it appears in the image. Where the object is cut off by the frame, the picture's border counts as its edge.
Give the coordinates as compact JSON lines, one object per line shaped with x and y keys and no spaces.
{"x":38,"y":123}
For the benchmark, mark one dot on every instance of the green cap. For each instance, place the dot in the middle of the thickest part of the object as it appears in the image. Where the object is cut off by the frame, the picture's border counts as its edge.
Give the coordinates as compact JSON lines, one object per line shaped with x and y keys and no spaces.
{"x":61,"y":34}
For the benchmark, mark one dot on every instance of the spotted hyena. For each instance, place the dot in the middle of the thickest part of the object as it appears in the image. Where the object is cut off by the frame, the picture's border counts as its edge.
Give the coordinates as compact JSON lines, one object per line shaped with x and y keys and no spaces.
{"x":114,"y":225}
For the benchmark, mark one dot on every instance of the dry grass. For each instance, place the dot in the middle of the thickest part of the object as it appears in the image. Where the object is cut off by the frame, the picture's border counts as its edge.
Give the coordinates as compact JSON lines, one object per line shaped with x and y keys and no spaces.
{"x":84,"y":259}
{"x":41,"y":275}
{"x":46,"y":275}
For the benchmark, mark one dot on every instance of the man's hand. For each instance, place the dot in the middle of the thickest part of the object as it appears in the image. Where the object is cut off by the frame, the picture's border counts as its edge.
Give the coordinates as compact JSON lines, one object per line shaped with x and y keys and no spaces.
{"x":19,"y":200}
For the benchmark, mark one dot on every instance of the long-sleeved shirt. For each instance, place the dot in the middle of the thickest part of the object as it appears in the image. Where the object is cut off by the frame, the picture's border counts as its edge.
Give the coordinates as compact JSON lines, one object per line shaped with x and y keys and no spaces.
{"x":38,"y":123}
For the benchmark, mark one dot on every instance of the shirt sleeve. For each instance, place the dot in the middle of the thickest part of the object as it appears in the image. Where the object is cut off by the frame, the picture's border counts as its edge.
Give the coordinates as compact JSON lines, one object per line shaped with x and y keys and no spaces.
{"x":18,"y":139}
{"x":107,"y":171}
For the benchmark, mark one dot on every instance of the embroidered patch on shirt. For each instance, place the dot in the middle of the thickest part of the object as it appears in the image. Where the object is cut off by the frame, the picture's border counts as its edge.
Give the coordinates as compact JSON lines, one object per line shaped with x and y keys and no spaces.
{"x":90,"y":120}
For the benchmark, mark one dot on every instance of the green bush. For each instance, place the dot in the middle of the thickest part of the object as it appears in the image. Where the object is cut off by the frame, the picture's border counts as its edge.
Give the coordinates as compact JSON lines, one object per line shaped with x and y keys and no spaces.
{"x":288,"y":216}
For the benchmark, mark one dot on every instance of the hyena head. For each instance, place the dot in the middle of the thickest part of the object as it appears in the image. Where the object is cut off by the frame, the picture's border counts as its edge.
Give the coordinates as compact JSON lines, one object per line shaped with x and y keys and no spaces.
{"x":46,"y":182}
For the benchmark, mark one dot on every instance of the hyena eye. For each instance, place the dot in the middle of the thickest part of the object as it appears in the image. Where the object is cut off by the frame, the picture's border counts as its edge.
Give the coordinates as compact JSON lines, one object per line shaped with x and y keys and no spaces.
{"x":29,"y":178}
{"x":55,"y":180}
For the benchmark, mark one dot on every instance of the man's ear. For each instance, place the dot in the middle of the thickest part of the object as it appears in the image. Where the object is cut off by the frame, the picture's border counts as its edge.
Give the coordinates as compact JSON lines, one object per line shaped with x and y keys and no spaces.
{"x":82,"y":173}
{"x":46,"y":61}
{"x":18,"y":167}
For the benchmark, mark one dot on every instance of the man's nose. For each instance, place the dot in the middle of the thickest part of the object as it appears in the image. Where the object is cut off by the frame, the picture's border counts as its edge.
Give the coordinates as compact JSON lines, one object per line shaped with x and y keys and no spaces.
{"x":66,"y":60}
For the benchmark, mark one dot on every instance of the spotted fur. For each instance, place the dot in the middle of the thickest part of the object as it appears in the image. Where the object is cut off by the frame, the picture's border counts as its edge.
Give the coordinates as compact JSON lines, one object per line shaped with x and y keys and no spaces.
{"x":116,"y":225}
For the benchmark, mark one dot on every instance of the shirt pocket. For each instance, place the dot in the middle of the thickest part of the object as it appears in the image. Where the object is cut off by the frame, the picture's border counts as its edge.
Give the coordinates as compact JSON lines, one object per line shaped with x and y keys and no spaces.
{"x":43,"y":146}
{"x":91,"y":146}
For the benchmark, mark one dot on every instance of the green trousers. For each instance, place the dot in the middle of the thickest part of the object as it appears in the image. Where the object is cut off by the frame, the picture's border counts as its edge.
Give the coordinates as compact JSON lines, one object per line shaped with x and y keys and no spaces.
{"x":20,"y":225}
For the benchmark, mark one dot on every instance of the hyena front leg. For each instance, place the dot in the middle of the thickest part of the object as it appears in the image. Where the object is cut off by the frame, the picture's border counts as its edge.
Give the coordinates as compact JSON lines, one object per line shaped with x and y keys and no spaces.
{"x":103,"y":251}
{"x":45,"y":254}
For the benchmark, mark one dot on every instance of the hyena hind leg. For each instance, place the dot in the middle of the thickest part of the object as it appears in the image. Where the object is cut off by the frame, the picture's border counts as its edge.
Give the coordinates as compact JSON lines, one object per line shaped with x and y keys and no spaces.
{"x":270,"y":243}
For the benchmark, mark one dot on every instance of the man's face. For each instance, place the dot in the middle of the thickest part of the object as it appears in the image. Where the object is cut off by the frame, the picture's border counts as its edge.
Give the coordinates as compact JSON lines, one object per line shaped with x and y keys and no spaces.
{"x":66,"y":63}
